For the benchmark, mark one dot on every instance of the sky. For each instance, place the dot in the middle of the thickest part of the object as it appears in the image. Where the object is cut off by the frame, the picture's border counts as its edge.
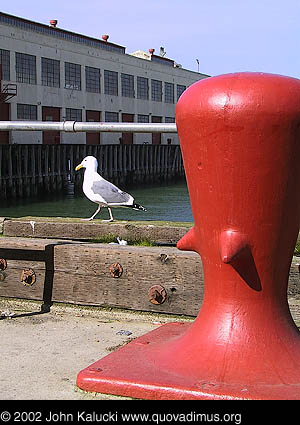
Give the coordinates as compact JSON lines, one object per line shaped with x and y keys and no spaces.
{"x":222,"y":35}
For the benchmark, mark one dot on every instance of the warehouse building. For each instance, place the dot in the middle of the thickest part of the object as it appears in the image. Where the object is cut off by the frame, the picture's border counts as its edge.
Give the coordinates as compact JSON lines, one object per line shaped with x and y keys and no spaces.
{"x":50,"y":74}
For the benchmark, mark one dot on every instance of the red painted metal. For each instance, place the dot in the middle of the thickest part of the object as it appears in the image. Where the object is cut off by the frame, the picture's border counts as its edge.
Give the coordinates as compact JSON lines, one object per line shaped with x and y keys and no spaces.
{"x":53,"y":23}
{"x":240,"y":139}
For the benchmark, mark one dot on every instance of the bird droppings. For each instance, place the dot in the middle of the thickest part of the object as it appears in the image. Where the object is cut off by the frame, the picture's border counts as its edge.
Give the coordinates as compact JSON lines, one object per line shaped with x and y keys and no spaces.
{"x":6,"y":314}
{"x":32,"y":224}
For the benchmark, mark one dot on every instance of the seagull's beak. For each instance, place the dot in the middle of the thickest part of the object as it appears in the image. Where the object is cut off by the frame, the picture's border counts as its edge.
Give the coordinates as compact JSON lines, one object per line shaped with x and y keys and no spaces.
{"x":78,"y":167}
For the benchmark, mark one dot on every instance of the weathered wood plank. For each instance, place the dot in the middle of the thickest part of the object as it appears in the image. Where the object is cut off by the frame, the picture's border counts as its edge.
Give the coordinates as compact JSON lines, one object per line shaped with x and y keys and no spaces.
{"x":12,"y":285}
{"x":33,"y":173}
{"x":39,"y":166}
{"x":92,"y":282}
{"x":10,"y":282}
{"x":82,"y":276}
{"x":66,"y":229}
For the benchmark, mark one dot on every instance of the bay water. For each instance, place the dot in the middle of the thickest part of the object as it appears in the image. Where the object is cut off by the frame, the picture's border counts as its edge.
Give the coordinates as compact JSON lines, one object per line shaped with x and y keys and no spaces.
{"x":167,"y":202}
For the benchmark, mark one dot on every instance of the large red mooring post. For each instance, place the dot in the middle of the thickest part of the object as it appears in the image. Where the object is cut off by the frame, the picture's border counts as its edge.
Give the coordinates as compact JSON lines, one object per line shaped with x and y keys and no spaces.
{"x":240,"y":140}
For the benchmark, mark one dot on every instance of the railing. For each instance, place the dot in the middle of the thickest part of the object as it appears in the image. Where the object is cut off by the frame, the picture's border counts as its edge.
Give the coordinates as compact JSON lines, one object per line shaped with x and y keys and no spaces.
{"x":76,"y":126}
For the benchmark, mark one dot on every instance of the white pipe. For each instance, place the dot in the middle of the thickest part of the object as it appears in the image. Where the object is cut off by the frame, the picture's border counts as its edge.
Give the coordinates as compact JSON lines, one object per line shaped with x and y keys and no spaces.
{"x":74,"y":126}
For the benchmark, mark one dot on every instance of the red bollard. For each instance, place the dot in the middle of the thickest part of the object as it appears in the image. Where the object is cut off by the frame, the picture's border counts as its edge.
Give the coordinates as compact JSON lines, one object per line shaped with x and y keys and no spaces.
{"x":240,"y":139}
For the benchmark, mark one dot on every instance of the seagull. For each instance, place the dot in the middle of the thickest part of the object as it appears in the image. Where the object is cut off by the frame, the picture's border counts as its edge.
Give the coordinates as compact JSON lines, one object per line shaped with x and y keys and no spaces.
{"x":101,"y":191}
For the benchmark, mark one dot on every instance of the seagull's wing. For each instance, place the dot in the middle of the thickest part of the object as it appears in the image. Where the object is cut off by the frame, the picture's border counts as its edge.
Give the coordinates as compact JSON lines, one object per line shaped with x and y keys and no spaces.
{"x":111,"y":194}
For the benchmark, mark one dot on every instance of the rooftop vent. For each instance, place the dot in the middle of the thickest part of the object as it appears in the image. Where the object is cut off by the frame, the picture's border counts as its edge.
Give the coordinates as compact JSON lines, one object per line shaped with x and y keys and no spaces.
{"x":162,"y":52}
{"x":53,"y":23}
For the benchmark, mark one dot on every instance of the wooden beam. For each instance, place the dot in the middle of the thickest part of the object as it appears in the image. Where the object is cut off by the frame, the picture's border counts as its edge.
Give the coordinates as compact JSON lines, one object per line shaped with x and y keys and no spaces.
{"x":83,"y":273}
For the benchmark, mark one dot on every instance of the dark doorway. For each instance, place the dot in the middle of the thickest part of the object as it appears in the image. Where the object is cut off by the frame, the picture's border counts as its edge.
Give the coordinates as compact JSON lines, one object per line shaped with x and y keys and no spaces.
{"x":93,"y":138}
{"x":4,"y":116}
{"x":127,"y":138}
{"x":51,"y":114}
{"x":156,"y":137}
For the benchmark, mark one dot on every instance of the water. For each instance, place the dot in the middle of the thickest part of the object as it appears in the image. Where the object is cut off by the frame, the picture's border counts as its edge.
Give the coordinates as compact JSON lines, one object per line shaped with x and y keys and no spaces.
{"x":168,"y":202}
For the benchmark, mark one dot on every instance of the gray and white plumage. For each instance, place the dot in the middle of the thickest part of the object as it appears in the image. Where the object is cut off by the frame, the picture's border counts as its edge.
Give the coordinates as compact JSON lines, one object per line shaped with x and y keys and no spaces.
{"x":101,"y":191}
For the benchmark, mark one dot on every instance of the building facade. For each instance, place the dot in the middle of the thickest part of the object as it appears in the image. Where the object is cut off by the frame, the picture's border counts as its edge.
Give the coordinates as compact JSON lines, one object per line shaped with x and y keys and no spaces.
{"x":52,"y":74}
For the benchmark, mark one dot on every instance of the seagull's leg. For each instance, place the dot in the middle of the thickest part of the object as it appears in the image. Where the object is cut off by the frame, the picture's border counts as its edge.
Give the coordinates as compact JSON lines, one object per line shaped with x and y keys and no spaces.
{"x":94,"y":215}
{"x":110,"y":214}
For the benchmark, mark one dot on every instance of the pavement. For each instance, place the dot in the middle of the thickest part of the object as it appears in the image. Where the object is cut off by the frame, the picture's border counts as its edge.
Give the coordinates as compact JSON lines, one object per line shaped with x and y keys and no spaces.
{"x":41,"y":354}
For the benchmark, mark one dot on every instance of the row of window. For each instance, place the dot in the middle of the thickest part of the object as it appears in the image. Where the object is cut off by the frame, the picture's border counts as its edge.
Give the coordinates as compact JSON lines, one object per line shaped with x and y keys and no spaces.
{"x":29,"y":112}
{"x":26,"y":73}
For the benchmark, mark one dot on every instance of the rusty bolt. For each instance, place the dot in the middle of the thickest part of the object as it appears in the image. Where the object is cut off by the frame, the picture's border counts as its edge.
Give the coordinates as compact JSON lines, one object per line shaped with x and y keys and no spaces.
{"x":164,"y":258}
{"x":157,"y":294}
{"x":28,"y":277}
{"x":116,"y":270}
{"x":3,"y":264}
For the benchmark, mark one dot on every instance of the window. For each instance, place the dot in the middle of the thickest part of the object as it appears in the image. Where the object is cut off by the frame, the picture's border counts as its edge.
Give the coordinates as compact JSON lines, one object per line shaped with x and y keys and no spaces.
{"x":169,"y":93}
{"x":111,"y":83}
{"x":180,"y":90}
{"x":26,"y":112}
{"x":111,"y":117}
{"x":143,"y":118}
{"x":169,"y":119}
{"x":25,"y":68}
{"x":5,"y":63}
{"x":92,"y":79}
{"x":72,"y":76}
{"x":156,"y":90}
{"x":50,"y":72}
{"x":73,"y":114}
{"x":127,"y":85}
{"x":142,"y":88}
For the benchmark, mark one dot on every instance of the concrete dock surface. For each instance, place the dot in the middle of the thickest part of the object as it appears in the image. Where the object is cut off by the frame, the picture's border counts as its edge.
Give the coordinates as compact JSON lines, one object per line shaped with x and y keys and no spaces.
{"x":41,"y":354}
